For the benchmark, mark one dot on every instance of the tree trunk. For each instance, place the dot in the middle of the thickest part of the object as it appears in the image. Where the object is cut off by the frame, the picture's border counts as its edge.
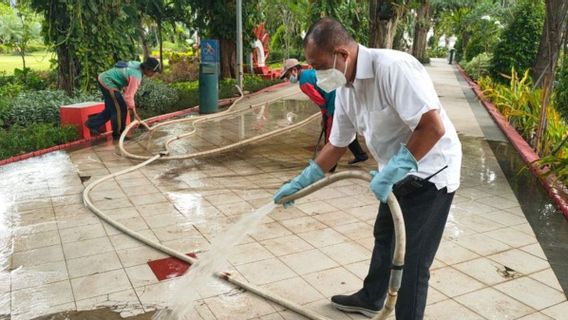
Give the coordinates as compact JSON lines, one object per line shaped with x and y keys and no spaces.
{"x":547,"y":58}
{"x":421,"y":28}
{"x":551,"y":39}
{"x":145,"y":47}
{"x":23,"y":55}
{"x":228,"y":55}
{"x":161,"y":43}
{"x":383,"y":20}
{"x":68,"y":71}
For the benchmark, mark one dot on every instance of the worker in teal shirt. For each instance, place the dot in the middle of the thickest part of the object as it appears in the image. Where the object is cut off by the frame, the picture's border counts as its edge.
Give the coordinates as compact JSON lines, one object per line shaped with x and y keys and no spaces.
{"x":294,"y":72}
{"x":124,"y":77}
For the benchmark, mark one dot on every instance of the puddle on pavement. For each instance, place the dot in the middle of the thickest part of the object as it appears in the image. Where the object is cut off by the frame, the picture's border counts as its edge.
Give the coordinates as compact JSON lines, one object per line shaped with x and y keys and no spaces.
{"x":25,"y":191}
{"x":98,"y":314}
{"x":250,"y":122}
{"x":548,"y":223}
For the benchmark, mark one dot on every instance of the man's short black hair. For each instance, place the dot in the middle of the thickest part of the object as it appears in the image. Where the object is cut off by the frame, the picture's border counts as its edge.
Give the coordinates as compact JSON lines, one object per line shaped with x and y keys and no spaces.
{"x":327,"y":34}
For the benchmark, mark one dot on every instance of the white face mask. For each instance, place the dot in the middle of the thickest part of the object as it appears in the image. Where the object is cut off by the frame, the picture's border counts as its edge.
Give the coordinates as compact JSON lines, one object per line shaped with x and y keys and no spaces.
{"x":331,"y":79}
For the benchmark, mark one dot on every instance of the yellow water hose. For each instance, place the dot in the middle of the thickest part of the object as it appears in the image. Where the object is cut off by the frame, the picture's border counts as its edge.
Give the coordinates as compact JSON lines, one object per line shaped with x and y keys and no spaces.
{"x":398,"y":258}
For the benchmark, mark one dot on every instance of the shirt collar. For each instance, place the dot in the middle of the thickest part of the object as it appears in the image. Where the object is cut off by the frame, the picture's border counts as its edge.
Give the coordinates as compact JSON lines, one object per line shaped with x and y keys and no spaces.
{"x":364,"y":63}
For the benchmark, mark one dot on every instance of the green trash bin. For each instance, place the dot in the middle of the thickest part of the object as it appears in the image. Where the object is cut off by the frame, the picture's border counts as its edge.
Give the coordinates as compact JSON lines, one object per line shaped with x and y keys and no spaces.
{"x":208,"y":88}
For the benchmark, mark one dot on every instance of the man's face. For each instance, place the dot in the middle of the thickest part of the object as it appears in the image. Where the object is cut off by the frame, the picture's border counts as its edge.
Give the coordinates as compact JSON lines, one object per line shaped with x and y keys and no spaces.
{"x":149,"y":73}
{"x":321,"y":59}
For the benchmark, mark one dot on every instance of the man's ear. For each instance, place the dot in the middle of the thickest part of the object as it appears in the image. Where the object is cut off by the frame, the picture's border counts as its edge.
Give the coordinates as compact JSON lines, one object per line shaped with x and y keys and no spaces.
{"x":342,"y":51}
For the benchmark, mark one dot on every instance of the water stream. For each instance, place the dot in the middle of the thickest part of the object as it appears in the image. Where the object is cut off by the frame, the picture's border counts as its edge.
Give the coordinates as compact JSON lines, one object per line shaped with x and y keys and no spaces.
{"x":185,"y":290}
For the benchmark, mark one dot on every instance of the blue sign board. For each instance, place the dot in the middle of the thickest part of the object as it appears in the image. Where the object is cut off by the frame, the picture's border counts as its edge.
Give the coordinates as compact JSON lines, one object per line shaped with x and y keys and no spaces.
{"x":210,"y":51}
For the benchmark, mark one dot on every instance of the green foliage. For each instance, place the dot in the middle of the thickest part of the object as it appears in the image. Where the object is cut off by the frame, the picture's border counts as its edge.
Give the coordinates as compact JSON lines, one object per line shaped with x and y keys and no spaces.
{"x":18,"y":139}
{"x":561,"y":89}
{"x":558,"y":165}
{"x":520,"y":104}
{"x":438,"y":52}
{"x":520,"y":40}
{"x":188,"y":92}
{"x":88,"y":36}
{"x":39,"y":107}
{"x":155,"y":97}
{"x":478,"y":67}
{"x":18,"y":28}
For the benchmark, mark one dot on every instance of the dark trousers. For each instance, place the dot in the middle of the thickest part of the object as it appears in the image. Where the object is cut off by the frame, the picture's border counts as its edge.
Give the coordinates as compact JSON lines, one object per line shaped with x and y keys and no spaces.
{"x":425,"y":213}
{"x":115,"y":111}
{"x":354,"y":147}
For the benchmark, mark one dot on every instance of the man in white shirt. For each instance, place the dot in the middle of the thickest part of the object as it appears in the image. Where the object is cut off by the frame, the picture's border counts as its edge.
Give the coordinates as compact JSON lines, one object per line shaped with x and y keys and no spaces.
{"x":388,"y":97}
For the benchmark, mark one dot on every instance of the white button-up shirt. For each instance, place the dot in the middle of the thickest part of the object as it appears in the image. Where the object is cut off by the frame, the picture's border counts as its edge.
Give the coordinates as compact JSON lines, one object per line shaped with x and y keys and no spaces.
{"x":391,"y":92}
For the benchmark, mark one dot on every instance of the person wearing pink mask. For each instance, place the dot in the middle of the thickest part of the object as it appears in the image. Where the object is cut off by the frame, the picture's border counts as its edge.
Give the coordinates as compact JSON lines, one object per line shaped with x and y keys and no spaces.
{"x":294,"y":72}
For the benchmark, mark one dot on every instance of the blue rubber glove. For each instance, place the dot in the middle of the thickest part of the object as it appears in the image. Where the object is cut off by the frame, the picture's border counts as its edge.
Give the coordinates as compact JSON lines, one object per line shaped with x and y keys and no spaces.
{"x":398,"y":166}
{"x":311,"y":174}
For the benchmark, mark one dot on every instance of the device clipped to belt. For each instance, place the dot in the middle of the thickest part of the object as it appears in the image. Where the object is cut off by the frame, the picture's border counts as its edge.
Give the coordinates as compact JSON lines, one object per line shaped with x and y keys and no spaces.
{"x":412,"y":183}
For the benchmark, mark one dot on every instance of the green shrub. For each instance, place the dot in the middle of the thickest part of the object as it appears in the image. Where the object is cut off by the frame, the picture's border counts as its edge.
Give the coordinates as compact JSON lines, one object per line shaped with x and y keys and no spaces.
{"x":475,"y":47}
{"x":438,"y":52}
{"x":188,"y":93}
{"x":18,"y":139}
{"x":520,"y":39}
{"x":561,"y":90}
{"x":478,"y":66}
{"x":155,"y":97}
{"x":40,"y":106}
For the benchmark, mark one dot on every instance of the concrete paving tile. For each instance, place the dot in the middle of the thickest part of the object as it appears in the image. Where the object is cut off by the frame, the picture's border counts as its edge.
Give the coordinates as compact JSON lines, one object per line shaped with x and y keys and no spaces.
{"x":512,"y":237}
{"x":37,"y":275}
{"x":334,"y":281}
{"x":448,"y":309}
{"x":286,"y":245}
{"x":487,"y":271}
{"x":453,"y":283}
{"x":520,"y":261}
{"x":346,"y":253}
{"x":452,"y":253}
{"x":97,"y":263}
{"x":37,"y":256}
{"x":531,"y":292}
{"x":238,"y":306}
{"x":89,"y":247}
{"x":81,"y":233}
{"x":481,"y":244}
{"x":494,"y":305}
{"x":100,"y":283}
{"x":547,"y":277}
{"x":41,"y":298}
{"x":323,"y":237}
{"x":308,"y":261}
{"x":36,"y":240}
{"x":558,"y":311}
{"x":265,"y":271}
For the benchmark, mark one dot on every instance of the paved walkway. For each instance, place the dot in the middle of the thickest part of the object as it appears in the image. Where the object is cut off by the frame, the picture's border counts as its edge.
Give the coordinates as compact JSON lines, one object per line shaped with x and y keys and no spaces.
{"x":489,"y":266}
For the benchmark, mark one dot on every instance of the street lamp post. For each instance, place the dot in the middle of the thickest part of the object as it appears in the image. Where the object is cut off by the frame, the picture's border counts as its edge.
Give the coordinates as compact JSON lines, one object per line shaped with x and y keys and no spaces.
{"x":240,"y":43}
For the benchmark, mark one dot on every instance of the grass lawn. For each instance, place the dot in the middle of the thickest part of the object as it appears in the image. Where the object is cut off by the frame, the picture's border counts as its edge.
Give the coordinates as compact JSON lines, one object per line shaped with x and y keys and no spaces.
{"x":35,"y":61}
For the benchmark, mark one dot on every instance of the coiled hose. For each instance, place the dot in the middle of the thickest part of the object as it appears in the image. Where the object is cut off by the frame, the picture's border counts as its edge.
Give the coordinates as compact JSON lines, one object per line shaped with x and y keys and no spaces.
{"x":398,"y":258}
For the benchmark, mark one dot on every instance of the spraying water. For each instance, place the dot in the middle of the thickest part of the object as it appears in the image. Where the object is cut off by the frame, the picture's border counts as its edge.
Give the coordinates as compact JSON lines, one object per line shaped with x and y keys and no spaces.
{"x":185,"y":290}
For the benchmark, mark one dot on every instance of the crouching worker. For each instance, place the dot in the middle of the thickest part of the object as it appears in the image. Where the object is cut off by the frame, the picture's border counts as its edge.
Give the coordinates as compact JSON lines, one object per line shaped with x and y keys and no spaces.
{"x":387,"y":96}
{"x":125,"y":76}
{"x":324,"y":99}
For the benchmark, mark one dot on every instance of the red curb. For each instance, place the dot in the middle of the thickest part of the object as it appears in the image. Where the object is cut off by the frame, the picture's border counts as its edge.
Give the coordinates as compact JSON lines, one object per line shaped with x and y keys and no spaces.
{"x":523,"y":148}
{"x":159,"y":118}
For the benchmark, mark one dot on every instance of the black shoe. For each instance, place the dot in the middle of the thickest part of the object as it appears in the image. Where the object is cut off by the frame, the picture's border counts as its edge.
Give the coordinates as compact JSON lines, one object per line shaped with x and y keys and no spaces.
{"x":354,"y":303}
{"x":332,"y":170}
{"x":94,"y":132}
{"x":359,"y":159}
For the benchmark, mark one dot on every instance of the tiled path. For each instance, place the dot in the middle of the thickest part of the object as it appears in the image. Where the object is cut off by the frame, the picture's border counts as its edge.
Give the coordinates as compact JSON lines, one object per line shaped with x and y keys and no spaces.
{"x":489,"y":266}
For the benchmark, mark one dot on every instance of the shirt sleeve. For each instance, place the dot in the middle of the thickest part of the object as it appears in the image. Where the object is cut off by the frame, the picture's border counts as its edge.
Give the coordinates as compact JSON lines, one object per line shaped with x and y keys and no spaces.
{"x":342,"y":132}
{"x":312,"y":93}
{"x":133,"y":84}
{"x":411,"y":92}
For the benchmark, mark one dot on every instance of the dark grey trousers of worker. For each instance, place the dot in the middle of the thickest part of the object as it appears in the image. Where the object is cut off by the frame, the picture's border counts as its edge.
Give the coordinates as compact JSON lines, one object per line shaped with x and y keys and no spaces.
{"x":425,"y":213}
{"x":115,"y":111}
